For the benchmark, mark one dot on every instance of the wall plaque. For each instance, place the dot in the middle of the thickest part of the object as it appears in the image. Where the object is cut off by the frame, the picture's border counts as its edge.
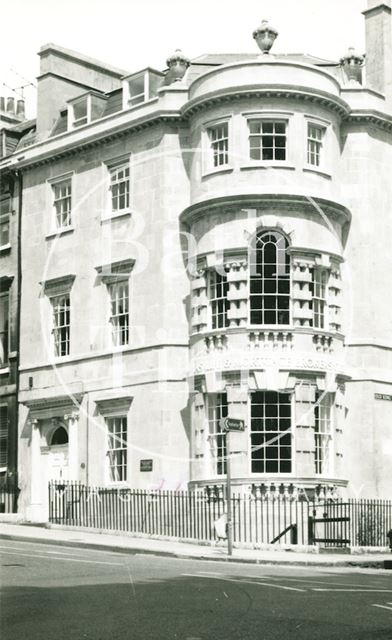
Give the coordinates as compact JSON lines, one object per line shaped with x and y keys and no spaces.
{"x":145,"y":465}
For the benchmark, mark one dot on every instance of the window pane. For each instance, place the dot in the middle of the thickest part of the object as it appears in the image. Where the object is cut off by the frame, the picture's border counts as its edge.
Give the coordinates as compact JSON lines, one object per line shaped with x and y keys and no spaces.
{"x":280,"y":127}
{"x":267,"y":154}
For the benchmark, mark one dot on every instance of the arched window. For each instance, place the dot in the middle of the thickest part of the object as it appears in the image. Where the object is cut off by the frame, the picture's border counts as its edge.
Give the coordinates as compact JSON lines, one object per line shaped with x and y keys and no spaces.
{"x":269,"y":264}
{"x":60,"y":436}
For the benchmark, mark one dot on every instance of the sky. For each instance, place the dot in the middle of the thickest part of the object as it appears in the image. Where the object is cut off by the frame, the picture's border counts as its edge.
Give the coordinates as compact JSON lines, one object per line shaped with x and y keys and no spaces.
{"x":133,"y":34}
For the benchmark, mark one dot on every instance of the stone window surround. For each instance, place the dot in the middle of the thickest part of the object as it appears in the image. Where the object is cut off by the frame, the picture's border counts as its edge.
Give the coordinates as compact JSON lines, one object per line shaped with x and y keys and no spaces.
{"x":324,"y":167}
{"x":270,"y":115}
{"x":5,"y":219}
{"x":109,"y":406}
{"x":291,"y":383}
{"x":107,"y":165}
{"x":112,"y":274}
{"x":5,"y":291}
{"x":301,"y":258}
{"x":53,"y":288}
{"x":52,"y":227}
{"x":239,"y":129}
{"x":206,"y":150}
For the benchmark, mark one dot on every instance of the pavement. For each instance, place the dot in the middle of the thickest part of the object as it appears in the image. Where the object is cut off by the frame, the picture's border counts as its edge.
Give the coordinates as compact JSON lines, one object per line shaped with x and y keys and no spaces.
{"x":82,"y":538}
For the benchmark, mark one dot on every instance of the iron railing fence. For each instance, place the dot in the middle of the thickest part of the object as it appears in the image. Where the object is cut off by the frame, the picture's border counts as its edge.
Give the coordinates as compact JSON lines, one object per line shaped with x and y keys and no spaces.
{"x":193,"y":515}
{"x":9,"y":493}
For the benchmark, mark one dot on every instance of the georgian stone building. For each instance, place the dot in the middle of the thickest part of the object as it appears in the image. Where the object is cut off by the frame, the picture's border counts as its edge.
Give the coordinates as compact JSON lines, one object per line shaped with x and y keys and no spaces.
{"x":209,"y":241}
{"x":13,"y":126}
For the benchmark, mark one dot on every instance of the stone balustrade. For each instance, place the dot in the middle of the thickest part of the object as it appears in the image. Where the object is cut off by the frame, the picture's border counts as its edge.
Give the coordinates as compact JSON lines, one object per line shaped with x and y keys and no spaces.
{"x":275,"y":490}
{"x":216,"y":341}
{"x":270,"y":339}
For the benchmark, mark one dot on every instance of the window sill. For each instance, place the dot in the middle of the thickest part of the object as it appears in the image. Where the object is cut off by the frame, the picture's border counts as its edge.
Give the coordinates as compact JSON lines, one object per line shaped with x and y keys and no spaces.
{"x":59,"y":232}
{"x":320,"y":172}
{"x":267,"y":165}
{"x":4,"y":371}
{"x":5,"y":248}
{"x":217,"y":170}
{"x":270,"y":327}
{"x":124,"y":213}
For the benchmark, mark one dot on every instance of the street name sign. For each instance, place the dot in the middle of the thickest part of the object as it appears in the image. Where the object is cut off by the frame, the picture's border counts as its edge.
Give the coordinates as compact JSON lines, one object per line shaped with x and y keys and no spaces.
{"x":232,"y":424}
{"x":383,"y":396}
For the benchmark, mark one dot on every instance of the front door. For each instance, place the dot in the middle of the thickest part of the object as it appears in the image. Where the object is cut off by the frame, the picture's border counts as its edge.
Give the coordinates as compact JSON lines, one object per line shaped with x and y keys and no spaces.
{"x":58,"y":462}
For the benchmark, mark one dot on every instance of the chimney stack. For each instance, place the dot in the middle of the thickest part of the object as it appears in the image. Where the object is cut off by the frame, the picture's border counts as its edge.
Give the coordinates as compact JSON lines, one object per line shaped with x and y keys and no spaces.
{"x":11,"y":105}
{"x":20,"y":109}
{"x":378,"y":63}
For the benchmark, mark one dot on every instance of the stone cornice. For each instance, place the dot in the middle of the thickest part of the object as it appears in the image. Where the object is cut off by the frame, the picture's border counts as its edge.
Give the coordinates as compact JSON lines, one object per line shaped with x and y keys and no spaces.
{"x":69,"y":147}
{"x":378,"y":119}
{"x":65,"y":144}
{"x":298,"y":201}
{"x":56,"y":402}
{"x":383,"y":6}
{"x":267,"y":91}
{"x":60,"y":284}
{"x":116,"y":270}
{"x":120,"y":403}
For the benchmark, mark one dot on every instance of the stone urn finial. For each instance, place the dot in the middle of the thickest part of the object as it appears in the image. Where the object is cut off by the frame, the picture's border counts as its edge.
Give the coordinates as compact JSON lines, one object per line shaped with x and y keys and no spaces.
{"x":352,"y":65}
{"x":178,"y":64}
{"x":265,"y":36}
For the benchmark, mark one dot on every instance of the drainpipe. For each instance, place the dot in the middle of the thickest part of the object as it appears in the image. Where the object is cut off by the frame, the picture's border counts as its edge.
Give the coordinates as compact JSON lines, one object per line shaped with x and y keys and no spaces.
{"x":18,"y":311}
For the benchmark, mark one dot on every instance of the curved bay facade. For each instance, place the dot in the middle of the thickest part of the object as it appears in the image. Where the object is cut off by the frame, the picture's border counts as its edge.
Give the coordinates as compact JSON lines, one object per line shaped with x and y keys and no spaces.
{"x":267,"y":298}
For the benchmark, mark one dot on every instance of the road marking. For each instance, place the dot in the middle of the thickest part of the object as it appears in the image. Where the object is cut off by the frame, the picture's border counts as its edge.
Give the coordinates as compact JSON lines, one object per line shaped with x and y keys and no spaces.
{"x":239,"y":580}
{"x":268,"y":584}
{"x":382,"y":606}
{"x":326,"y":582}
{"x":29,"y":555}
{"x":365,"y":590}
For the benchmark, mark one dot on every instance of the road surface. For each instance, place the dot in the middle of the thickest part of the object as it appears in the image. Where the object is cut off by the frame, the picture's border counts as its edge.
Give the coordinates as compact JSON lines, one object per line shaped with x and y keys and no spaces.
{"x":63,"y":593}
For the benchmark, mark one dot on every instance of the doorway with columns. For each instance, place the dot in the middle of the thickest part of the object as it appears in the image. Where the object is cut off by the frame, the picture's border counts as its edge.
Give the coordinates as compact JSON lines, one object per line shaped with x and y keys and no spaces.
{"x":53,"y":443}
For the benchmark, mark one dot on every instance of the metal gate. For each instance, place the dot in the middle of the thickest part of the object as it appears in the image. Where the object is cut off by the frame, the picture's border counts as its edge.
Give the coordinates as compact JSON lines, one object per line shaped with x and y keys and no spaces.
{"x":329,"y":524}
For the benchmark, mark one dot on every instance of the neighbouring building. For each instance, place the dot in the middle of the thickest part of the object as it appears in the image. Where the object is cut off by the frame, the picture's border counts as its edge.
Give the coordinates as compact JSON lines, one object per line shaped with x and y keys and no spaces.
{"x":205,"y":242}
{"x":13,"y":126}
